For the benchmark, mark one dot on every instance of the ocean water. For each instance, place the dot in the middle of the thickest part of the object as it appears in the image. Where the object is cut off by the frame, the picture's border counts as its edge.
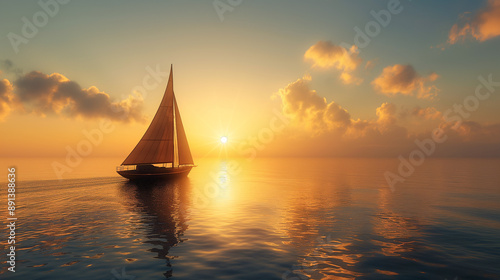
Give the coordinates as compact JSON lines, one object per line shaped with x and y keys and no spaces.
{"x":262,"y":219}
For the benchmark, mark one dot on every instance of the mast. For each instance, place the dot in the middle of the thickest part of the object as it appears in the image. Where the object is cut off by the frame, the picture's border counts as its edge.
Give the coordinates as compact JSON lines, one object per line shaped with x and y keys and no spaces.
{"x":176,"y":142}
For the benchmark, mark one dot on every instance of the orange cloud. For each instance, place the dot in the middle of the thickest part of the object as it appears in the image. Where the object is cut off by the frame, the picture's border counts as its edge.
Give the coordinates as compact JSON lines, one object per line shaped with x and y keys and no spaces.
{"x":483,"y":25}
{"x":403,"y":79}
{"x":307,"y":108}
{"x":385,"y":124}
{"x":326,"y":55}
{"x":429,"y":113}
{"x":386,"y":113}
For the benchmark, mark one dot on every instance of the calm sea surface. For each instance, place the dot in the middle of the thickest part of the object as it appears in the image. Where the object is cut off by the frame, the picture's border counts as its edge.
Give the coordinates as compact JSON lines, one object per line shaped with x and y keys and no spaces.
{"x":264,"y":219}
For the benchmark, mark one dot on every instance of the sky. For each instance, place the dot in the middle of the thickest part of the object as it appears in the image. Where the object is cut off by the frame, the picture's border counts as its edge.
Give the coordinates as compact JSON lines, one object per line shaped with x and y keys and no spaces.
{"x":277,"y":78}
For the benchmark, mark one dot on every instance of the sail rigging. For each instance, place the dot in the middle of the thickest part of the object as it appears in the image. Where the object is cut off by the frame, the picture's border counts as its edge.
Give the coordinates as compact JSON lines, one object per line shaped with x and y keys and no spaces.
{"x":165,"y":140}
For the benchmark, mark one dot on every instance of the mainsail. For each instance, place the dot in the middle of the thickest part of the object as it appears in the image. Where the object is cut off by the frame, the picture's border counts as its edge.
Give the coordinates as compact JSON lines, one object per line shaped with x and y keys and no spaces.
{"x":158,"y":145}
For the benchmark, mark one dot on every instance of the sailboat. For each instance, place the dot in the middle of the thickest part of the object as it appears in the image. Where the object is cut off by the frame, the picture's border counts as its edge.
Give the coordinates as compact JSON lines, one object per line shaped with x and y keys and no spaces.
{"x":163,"y":152}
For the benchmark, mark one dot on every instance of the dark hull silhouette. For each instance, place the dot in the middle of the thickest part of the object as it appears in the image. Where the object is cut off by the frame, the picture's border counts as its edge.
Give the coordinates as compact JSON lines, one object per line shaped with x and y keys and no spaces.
{"x":155,"y":173}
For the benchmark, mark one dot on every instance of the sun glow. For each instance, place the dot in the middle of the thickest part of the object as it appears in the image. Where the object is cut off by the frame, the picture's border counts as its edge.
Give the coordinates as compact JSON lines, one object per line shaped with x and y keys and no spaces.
{"x":223,"y":139}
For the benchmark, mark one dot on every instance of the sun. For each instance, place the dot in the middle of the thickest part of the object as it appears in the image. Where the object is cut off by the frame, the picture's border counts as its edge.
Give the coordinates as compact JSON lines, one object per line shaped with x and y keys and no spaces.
{"x":223,"y":139}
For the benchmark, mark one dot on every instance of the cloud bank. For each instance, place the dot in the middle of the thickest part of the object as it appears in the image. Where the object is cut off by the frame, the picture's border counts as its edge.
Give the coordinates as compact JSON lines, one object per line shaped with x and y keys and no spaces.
{"x":56,"y":95}
{"x":328,"y":129}
{"x":317,"y":116}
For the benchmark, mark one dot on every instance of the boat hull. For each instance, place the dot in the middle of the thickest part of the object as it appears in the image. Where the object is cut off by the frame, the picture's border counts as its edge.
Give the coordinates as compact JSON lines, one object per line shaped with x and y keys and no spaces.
{"x":159,"y":174}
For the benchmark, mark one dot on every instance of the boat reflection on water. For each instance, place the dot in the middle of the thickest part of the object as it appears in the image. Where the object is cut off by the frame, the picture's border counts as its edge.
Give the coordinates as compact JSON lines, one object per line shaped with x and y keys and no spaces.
{"x":164,"y":208}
